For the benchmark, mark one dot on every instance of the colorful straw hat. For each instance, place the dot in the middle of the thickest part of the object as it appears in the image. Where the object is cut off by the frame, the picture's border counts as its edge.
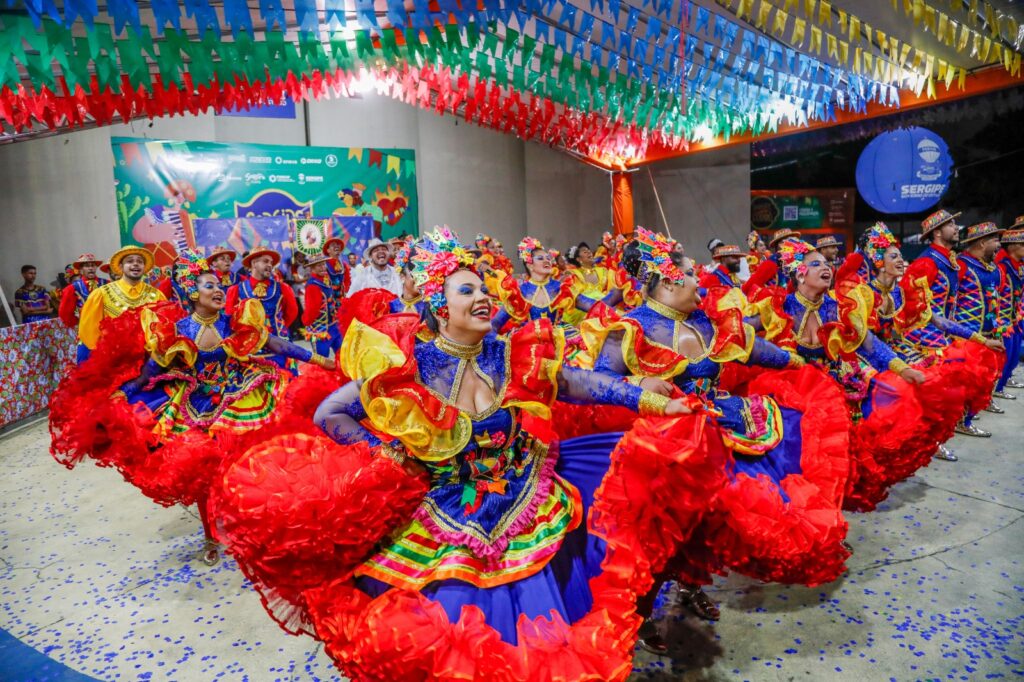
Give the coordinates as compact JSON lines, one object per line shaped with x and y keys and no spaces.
{"x":937,"y":220}
{"x":980,"y":231}
{"x":726,"y":250}
{"x":87,"y":258}
{"x":1012,"y":237}
{"x":829,"y":240}
{"x":784,"y":233}
{"x":333,"y":240}
{"x":1019,"y":222}
{"x":261,"y":251}
{"x":221,"y":251}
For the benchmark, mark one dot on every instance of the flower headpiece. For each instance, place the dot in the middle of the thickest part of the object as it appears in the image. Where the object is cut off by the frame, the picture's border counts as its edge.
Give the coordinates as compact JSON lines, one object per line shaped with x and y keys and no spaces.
{"x":877,"y":239}
{"x":656,"y":256}
{"x":527,"y":247}
{"x":432,"y":260}
{"x":187,"y":269}
{"x":791,"y":256}
{"x":482,"y":240}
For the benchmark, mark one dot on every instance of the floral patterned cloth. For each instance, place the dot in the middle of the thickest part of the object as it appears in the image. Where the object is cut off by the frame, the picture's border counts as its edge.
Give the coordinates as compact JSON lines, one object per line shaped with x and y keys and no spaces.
{"x":33,"y":359}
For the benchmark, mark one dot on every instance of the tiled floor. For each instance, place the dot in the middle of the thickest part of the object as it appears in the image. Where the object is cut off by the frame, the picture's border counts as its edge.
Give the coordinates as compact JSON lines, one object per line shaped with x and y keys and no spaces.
{"x":99,"y":579}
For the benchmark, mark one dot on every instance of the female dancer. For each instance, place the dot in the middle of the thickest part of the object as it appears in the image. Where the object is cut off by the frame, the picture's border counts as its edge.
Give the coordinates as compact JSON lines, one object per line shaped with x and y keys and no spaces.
{"x":205,"y":381}
{"x":779,"y":518}
{"x":591,"y":280}
{"x":540,"y":296}
{"x":955,"y":384}
{"x":891,"y":437}
{"x":452,"y":538}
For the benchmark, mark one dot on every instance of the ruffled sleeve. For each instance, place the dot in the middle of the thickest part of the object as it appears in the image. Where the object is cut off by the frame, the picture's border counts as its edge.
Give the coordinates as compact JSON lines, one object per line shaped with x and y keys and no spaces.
{"x":768,"y":307}
{"x":164,"y":344}
{"x":734,"y":339}
{"x":845,"y":335}
{"x":535,"y":352}
{"x":916,"y":311}
{"x":512,"y":299}
{"x":381,"y":357}
{"x":248,"y":330}
{"x":640,"y":356}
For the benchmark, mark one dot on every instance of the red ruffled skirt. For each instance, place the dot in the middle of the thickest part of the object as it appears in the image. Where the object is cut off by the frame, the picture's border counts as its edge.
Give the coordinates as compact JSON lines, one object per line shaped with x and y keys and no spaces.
{"x":301,"y":513}
{"x":784,"y":524}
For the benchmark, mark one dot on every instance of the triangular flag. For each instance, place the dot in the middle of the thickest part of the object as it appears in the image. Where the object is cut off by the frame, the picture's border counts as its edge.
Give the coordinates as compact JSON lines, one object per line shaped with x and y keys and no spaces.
{"x":356,"y":153}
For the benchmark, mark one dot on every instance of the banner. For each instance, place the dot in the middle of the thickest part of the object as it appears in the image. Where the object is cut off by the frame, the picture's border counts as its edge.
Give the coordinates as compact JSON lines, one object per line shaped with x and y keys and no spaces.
{"x":802,"y":209}
{"x":165,"y":188}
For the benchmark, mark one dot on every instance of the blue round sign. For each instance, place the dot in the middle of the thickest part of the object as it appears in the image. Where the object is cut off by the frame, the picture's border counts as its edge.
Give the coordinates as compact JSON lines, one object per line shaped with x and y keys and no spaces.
{"x":904,"y":171}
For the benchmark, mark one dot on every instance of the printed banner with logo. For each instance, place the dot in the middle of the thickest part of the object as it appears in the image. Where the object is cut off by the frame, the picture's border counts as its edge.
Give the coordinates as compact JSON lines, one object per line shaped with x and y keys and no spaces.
{"x":164,"y":188}
{"x":802,"y":209}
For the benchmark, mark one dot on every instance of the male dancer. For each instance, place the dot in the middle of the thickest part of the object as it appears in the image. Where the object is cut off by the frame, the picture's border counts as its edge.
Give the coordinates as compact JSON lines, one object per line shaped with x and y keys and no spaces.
{"x":77,"y":292}
{"x":278,"y":300}
{"x":338,"y":271}
{"x":726,"y":272}
{"x":1011,"y":261}
{"x":130,"y":264}
{"x":320,"y":316}
{"x":221,"y":259}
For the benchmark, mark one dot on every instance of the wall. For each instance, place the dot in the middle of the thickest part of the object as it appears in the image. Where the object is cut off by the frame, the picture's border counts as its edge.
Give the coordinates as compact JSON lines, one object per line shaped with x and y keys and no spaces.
{"x":58,"y":198}
{"x":704,"y":195}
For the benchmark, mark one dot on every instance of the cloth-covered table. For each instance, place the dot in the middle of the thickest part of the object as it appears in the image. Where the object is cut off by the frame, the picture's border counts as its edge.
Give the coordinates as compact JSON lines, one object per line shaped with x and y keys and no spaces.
{"x":33,"y":359}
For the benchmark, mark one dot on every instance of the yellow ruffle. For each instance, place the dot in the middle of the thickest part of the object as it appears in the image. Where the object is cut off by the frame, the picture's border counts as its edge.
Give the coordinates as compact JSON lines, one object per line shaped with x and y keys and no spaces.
{"x":251,"y":314}
{"x":740,"y":350}
{"x":549,"y":370}
{"x":367,"y":353}
{"x":180,"y":349}
{"x":842,"y":345}
{"x":595,"y":333}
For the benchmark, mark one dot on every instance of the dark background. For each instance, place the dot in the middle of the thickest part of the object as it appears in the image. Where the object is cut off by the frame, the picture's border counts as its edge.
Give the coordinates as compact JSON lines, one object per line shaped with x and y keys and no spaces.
{"x":985,"y":136}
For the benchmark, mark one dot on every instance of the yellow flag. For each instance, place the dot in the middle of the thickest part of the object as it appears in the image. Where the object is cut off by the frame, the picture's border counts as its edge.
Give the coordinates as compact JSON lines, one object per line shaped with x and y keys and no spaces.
{"x":962,"y":80}
{"x":857,"y":52}
{"x":762,"y":15}
{"x":931,"y":19}
{"x":833,"y":46}
{"x":943,"y":23}
{"x":929,"y":65}
{"x":844,"y":52}
{"x":816,"y":39}
{"x":950,"y":37}
{"x":854,"y":29}
{"x":950,"y":73}
{"x":394,"y":165}
{"x":809,"y":8}
{"x":790,"y":5}
{"x":743,"y":11}
{"x":965,"y":33}
{"x":931,"y":88}
{"x":843,"y":25}
{"x":904,"y":53}
{"x":825,"y":13}
{"x":869,"y":63}
{"x":799,"y":29}
{"x":356,"y":153}
{"x":1015,"y":69}
{"x":779,"y":26}
{"x":986,"y":47}
{"x":918,"y":11}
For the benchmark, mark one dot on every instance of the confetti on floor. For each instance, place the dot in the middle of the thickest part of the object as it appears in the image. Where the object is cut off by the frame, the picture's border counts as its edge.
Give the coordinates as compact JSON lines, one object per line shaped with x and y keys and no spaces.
{"x":98,"y":579}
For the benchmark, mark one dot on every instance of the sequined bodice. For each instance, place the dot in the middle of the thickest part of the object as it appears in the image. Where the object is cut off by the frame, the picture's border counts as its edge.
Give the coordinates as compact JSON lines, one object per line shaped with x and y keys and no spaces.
{"x":663,"y":330}
{"x":541,"y":310}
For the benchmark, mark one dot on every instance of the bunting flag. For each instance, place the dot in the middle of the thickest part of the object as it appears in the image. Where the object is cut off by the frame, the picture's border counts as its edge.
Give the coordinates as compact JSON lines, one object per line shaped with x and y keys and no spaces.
{"x":602,"y":78}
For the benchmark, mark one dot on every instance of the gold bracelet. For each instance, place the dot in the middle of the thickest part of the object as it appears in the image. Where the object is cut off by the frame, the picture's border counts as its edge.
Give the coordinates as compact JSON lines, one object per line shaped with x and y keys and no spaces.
{"x":978,"y":337}
{"x":897,"y":365}
{"x":652,"y":404}
{"x":393,"y":453}
{"x":635,"y":379}
{"x":795,"y":360}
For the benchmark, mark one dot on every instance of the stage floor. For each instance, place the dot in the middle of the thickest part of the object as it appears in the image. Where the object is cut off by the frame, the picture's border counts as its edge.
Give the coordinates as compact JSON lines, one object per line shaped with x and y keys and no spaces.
{"x":96,"y":582}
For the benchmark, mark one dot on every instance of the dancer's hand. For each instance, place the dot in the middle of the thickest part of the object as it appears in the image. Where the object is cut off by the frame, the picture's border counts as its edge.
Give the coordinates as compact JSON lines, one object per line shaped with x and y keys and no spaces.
{"x":995,"y":344}
{"x":677,"y":407}
{"x":912,"y":376}
{"x":659,"y":386}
